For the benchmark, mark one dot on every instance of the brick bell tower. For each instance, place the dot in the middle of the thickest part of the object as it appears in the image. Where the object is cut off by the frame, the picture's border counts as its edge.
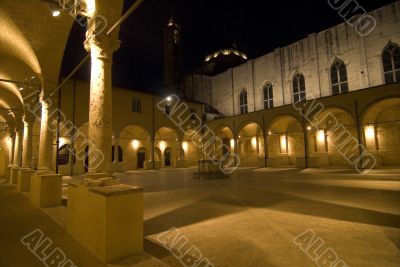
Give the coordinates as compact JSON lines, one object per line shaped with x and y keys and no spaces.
{"x":172,"y":56}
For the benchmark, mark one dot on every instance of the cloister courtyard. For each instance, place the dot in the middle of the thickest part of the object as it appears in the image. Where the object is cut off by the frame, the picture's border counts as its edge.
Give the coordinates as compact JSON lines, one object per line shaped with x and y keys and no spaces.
{"x":249,"y":219}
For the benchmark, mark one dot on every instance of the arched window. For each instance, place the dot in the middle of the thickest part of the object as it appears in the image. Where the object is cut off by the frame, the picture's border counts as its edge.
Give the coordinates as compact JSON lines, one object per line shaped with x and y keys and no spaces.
{"x":120,"y":154}
{"x":243,"y":102}
{"x":339,"y":81}
{"x":268,"y":96}
{"x":63,"y":155}
{"x":299,"y":88}
{"x":391,"y":63}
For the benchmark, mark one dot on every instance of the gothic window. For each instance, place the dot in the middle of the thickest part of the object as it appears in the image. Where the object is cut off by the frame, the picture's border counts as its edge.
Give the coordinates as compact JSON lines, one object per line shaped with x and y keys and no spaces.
{"x":268,"y":96}
{"x":136,"y":105}
{"x":339,"y":81}
{"x":243,"y":102}
{"x":391,"y":63}
{"x":63,"y":155}
{"x":299,"y":88}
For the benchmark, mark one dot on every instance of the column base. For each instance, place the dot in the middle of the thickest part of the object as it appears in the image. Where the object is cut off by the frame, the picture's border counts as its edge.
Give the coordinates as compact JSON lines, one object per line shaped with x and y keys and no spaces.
{"x":46,"y":189}
{"x":7,"y":173}
{"x":14,"y":175}
{"x":24,"y":179}
{"x":106,"y":220}
{"x":152,"y":165}
{"x":182,"y":164}
{"x":301,"y":163}
{"x":209,"y":170}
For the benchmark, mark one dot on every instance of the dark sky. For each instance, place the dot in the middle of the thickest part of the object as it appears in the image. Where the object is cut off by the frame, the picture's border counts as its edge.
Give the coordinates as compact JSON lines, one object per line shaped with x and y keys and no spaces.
{"x":257,"y":26}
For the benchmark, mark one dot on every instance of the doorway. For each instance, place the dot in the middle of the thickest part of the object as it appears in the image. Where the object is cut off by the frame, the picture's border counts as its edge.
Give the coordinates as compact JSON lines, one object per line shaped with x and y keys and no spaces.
{"x":86,"y":163}
{"x":141,"y":158}
{"x":167,"y":157}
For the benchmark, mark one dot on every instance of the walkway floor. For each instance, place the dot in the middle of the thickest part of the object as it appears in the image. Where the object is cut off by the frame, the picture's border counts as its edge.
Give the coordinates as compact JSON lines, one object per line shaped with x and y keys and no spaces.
{"x":247,"y":220}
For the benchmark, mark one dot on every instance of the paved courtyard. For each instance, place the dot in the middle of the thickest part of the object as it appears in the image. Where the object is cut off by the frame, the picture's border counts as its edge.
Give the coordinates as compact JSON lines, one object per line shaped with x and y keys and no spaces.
{"x":252,"y":218}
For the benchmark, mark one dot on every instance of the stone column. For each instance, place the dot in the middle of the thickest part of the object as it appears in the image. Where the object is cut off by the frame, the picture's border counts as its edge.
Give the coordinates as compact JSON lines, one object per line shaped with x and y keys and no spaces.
{"x":11,"y":148}
{"x":17,"y":154}
{"x":8,"y":170}
{"x":180,"y":150}
{"x":46,"y":135}
{"x":25,"y":173}
{"x":116,"y":148}
{"x":18,"y":146}
{"x":101,"y":48}
{"x":27,"y":142}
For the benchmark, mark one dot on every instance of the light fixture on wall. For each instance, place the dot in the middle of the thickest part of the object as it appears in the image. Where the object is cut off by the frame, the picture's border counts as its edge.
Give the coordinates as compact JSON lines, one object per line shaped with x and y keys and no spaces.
{"x":185,"y":146}
{"x":284,"y":144}
{"x":369,"y":132}
{"x":56,"y":13}
{"x":135,"y":144}
{"x":321,"y":136}
{"x":254,"y":141}
{"x":232,"y":144}
{"x":162,"y":145}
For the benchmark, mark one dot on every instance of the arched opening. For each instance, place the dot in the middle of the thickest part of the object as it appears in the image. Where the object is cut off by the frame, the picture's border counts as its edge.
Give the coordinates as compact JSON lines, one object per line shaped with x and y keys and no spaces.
{"x":332,"y":140}
{"x":168,"y":142}
{"x":268,"y":91}
{"x":339,"y":81}
{"x":251,"y":146}
{"x":381,"y":132}
{"x":391,"y":63}
{"x":134,"y":139}
{"x":226,"y":143}
{"x":63,"y":155}
{"x":120,"y":154}
{"x":190,"y":149}
{"x":167,"y":157}
{"x":285,"y":143}
{"x":141,"y":157}
{"x":243,"y":102}
{"x":299,"y":88}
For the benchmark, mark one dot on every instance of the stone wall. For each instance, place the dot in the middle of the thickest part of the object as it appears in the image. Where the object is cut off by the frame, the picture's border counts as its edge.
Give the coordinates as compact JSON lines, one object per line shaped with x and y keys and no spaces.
{"x":313,"y":57}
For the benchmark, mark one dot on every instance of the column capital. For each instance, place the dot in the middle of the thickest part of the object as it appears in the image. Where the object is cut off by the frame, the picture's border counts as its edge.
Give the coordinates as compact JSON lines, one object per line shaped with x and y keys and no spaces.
{"x":29,"y":118}
{"x":102,"y":46}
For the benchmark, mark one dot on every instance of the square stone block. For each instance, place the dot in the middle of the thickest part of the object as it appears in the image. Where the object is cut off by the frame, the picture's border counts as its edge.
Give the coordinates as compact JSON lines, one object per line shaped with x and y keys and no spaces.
{"x":148,"y":165}
{"x":7,"y":173}
{"x":46,"y":190}
{"x":24,"y":180}
{"x":182,"y":164}
{"x":14,"y":175}
{"x":107,"y":221}
{"x":301,"y":163}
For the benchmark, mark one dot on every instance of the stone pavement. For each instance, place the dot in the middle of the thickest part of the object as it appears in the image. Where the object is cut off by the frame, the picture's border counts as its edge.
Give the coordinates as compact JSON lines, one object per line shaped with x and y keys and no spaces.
{"x":250,"y":219}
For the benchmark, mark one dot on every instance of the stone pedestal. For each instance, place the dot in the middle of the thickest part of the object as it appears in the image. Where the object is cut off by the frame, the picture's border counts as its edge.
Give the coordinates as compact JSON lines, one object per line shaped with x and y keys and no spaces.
{"x":106,"y":220}
{"x":301,"y":163}
{"x":7,"y":173}
{"x":182,"y":164}
{"x":148,"y":165}
{"x":313,"y":162}
{"x":14,"y":175}
{"x":24,"y":180}
{"x":46,"y":190}
{"x":209,"y":170}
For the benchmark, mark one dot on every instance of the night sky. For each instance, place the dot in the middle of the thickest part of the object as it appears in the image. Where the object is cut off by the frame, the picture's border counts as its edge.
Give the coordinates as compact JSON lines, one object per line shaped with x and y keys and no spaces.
{"x":258,"y":27}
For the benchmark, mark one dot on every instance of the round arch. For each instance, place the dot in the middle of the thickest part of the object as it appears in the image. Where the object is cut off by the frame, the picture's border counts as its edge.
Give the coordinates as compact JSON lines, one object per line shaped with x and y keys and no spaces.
{"x":250,"y":145}
{"x":381,"y":131}
{"x":285,"y":142}
{"x":132,"y":138}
